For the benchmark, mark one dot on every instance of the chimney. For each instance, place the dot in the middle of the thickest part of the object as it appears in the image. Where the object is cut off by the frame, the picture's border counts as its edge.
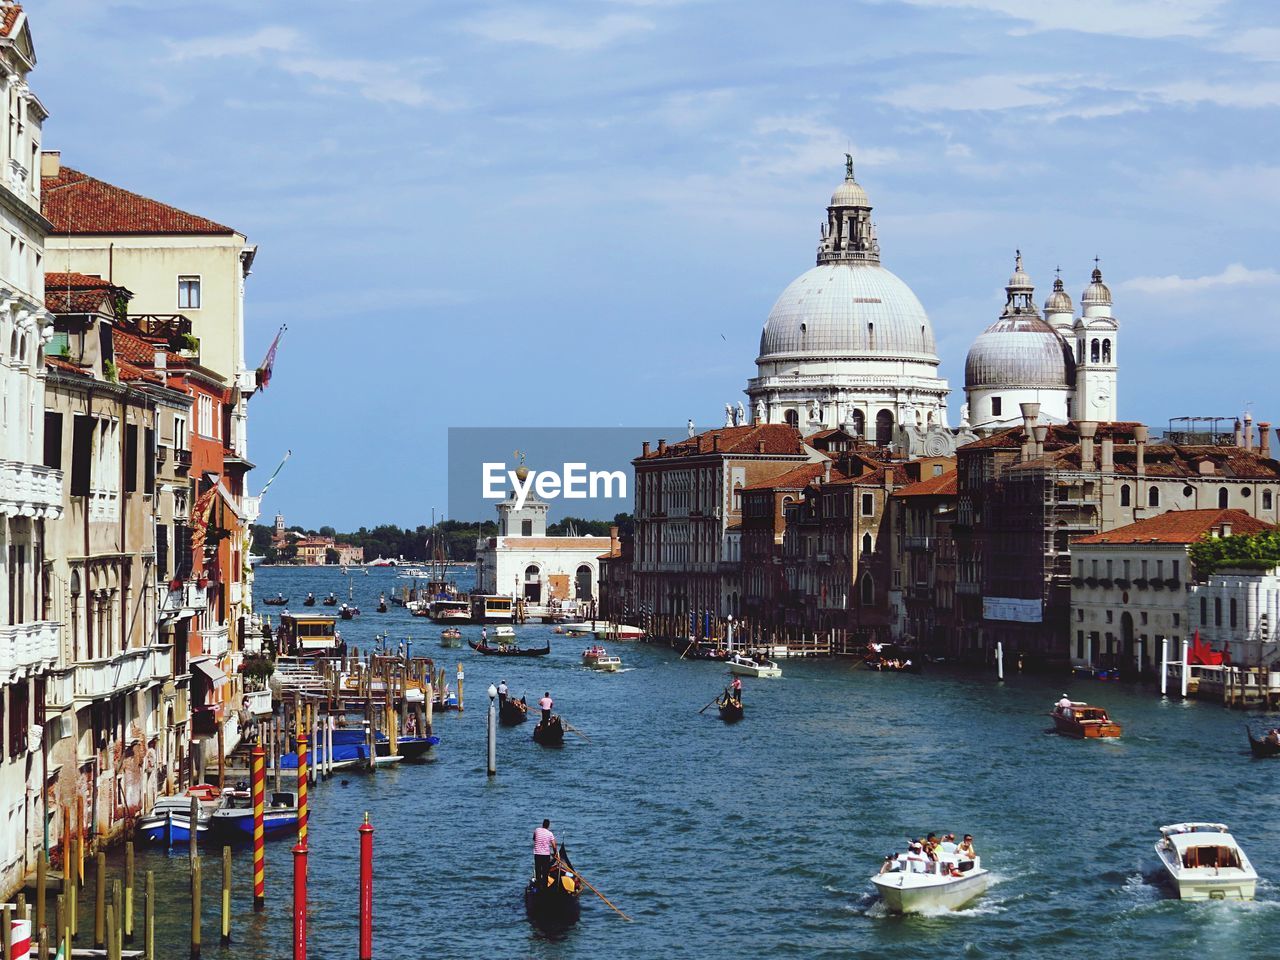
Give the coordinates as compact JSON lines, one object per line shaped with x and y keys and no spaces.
{"x":161,"y":360}
{"x":50,"y":163}
{"x":759,"y":446}
{"x":1264,"y":439}
{"x":1041,"y":432}
{"x":1207,"y":467}
{"x":613,"y":539}
{"x":1088,"y":428}
{"x":1226,"y":529}
{"x":1248,"y":431}
{"x":1108,"y":455}
{"x":715,"y":443}
{"x":1030,"y":413}
{"x":662,"y":446}
{"x":1239,"y":435}
{"x":826,"y":472}
{"x":1140,"y":435}
{"x":644,"y":449}
{"x":888,"y":478}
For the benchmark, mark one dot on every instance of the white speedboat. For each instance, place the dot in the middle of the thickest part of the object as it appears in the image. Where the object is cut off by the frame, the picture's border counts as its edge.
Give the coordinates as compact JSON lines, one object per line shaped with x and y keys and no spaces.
{"x":1204,"y":862}
{"x":617,"y":631}
{"x":931,"y":886}
{"x":746,"y":666}
{"x":503,"y":634}
{"x":607,"y":664}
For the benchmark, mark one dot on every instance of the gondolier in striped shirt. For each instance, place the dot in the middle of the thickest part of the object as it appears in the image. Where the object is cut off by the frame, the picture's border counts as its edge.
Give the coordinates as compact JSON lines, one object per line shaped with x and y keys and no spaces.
{"x":544,"y":849}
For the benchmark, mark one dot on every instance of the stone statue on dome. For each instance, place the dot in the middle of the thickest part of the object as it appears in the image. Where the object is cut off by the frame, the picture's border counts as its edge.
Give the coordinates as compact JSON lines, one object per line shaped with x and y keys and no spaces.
{"x":760,"y":417}
{"x":728,"y":414}
{"x":741,"y":419}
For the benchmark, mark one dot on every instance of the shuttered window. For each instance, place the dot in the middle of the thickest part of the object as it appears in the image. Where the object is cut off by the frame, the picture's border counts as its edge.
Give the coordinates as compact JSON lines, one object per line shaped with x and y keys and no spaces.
{"x":81,"y":455}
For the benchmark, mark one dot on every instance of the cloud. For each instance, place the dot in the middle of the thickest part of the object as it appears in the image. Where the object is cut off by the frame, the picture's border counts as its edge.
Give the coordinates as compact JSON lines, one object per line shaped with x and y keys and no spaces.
{"x":1258,"y":43}
{"x":572,"y":36}
{"x":1244,"y":94}
{"x":265,"y":40}
{"x":1127,"y":18}
{"x":990,"y":92}
{"x":1236,"y":275}
{"x":796,"y":146}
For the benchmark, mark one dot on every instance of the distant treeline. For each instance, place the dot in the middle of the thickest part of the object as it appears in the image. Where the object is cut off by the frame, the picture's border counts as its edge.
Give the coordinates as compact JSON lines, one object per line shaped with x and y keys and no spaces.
{"x":456,"y":538}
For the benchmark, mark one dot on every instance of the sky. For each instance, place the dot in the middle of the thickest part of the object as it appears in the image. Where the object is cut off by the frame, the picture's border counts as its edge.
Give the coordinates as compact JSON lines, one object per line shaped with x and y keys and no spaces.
{"x":579,"y":213}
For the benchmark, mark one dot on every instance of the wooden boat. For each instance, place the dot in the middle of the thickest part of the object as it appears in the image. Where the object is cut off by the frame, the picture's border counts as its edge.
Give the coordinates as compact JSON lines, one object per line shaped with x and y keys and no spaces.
{"x":730,"y":707}
{"x":1262,"y":747}
{"x":592,"y":654}
{"x":347,"y":612}
{"x":556,"y":905}
{"x":891,"y":658}
{"x":330,"y":601}
{"x":549,"y":734}
{"x":310,"y":601}
{"x":1083,"y":721}
{"x":512,"y":711}
{"x":508,"y":650}
{"x":382,"y":602}
{"x":277,"y":601}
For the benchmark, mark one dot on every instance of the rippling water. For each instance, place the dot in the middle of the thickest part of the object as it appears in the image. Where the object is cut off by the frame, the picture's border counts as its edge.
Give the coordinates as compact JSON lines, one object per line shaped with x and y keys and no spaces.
{"x":762,"y":836}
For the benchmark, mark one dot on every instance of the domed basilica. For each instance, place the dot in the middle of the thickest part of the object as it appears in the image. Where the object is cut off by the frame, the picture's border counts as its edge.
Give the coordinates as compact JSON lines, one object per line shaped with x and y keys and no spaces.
{"x":848,"y":345}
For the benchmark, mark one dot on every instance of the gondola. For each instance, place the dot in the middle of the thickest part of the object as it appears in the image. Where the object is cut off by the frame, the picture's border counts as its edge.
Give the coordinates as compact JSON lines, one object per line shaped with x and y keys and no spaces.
{"x":556,"y":905}
{"x":508,"y":650}
{"x":276,"y":601}
{"x":330,"y":601}
{"x":730,"y":707}
{"x":348,"y":612}
{"x":512,"y":711}
{"x":382,"y":603}
{"x":550,"y":733}
{"x":1262,"y":747}
{"x":310,"y":601}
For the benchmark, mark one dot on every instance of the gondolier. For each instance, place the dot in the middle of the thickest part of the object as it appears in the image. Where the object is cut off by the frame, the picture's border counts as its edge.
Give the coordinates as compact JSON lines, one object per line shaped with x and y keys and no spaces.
{"x":736,"y":688}
{"x":545,"y":705}
{"x":502,"y":692}
{"x":544,"y":848}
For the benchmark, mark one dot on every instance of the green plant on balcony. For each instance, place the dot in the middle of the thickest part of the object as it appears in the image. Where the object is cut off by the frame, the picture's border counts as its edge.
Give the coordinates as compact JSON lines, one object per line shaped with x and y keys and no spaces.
{"x":257,"y":668}
{"x":109,"y":371}
{"x":186,"y":343}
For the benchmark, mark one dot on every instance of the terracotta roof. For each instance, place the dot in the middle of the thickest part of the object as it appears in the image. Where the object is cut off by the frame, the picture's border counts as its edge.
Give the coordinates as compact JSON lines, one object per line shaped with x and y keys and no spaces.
{"x":796,"y":479}
{"x":1059,"y":435}
{"x":1178,"y":526}
{"x":134,"y":349}
{"x":778,"y":439}
{"x":943,"y":485}
{"x":872,"y":478}
{"x":11,"y":13}
{"x":78,"y":204}
{"x":65,"y":365}
{"x":555,"y":543}
{"x":78,"y":293}
{"x":1167,"y":461}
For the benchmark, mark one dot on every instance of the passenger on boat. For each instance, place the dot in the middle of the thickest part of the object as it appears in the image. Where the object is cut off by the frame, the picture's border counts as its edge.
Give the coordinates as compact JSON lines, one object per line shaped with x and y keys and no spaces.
{"x":544,"y":849}
{"x":502,"y":692}
{"x":966,"y":848}
{"x":736,"y":687}
{"x":948,"y":847}
{"x":916,"y":858}
{"x":411,"y":726}
{"x":1064,"y":704}
{"x":545,"y":705}
{"x":891,"y":863}
{"x":1273,"y":737}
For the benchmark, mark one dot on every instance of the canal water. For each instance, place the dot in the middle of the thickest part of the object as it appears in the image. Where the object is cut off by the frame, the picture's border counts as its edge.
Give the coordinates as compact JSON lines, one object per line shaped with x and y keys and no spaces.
{"x":761,"y":837}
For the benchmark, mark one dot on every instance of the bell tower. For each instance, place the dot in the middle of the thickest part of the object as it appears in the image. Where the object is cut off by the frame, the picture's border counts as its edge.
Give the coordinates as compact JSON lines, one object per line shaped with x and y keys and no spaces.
{"x":1097,"y":353}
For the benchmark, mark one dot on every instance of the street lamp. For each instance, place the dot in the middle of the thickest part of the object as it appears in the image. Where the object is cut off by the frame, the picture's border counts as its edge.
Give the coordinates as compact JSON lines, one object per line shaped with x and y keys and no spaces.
{"x":493,"y":731}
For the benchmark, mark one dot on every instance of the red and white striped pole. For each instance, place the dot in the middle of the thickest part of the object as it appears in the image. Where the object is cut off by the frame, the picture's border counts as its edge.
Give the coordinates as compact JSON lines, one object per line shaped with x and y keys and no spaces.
{"x":366,"y":890}
{"x":259,"y":777}
{"x":299,"y":902}
{"x":302,"y":788}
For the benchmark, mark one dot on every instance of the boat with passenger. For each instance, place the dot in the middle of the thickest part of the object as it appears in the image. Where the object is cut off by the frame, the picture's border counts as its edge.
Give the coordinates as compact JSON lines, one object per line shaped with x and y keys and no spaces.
{"x":279,"y":600}
{"x":747,"y":665}
{"x":451,"y":637}
{"x":505,"y":645}
{"x":1202,"y":861}
{"x":930,"y":882}
{"x":1072,"y":718}
{"x":512,"y":712}
{"x":607,"y":663}
{"x":555,"y":905}
{"x":310,"y":601}
{"x":549,"y":733}
{"x":1264,"y":746}
{"x":730,"y":707}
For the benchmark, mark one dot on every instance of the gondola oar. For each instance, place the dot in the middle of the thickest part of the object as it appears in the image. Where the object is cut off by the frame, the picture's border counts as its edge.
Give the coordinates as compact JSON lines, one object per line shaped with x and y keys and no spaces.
{"x":568,"y":726}
{"x":715,"y":701}
{"x":583,"y":880}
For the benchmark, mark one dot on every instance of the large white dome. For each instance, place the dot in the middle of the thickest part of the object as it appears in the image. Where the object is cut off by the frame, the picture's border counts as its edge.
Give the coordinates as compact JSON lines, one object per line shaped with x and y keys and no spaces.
{"x":1019,"y":351}
{"x":848,"y":311}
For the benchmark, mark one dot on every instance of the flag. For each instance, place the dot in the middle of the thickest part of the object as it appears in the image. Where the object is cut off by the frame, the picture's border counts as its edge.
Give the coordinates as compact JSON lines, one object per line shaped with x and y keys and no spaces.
{"x":263,"y":374}
{"x":200,"y":525}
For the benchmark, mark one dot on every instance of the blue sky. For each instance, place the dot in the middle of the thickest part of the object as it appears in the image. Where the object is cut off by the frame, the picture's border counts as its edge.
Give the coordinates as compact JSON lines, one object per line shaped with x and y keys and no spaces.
{"x":579,"y":213}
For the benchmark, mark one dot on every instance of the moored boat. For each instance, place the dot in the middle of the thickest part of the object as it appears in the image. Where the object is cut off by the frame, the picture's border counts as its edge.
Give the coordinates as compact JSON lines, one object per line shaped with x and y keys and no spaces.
{"x":549,"y":733}
{"x":747,"y":666}
{"x":730,"y":707}
{"x":512,"y":711}
{"x":1202,"y":861}
{"x":234,"y":819}
{"x":919,"y":885}
{"x":169,"y":822}
{"x":1082,"y":721}
{"x":1267,"y":746}
{"x":617,"y":631}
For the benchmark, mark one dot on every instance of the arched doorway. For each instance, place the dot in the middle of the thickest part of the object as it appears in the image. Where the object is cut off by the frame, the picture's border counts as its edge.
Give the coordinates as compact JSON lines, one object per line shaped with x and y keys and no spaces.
{"x":582,"y":583}
{"x":884,"y":428}
{"x":860,"y":424}
{"x":1126,"y":642}
{"x":532,"y":584}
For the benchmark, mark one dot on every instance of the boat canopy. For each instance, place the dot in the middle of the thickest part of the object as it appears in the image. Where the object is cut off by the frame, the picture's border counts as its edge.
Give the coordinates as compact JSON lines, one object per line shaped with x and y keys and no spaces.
{"x":1193,"y":826}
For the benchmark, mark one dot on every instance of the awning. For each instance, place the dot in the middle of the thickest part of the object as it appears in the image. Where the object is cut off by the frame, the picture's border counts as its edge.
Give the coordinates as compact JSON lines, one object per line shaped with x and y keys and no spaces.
{"x":211,"y":672}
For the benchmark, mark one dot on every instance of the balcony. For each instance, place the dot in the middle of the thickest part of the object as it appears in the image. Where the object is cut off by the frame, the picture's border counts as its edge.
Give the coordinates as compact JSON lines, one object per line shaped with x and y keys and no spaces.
{"x":182,"y":459}
{"x":171,"y":327}
{"x":919,"y":543}
{"x":184,"y":602}
{"x":27,"y":490}
{"x":27,"y":645}
{"x":99,"y":679}
{"x":215,"y":641}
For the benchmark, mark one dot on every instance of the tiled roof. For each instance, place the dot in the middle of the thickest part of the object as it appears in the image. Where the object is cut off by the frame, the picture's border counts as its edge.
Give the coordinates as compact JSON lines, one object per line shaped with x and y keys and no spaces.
{"x":943,"y":485}
{"x":778,"y":439}
{"x":134,"y":349}
{"x":66,"y":366}
{"x":1059,"y":435}
{"x":1178,"y":526}
{"x":796,"y":479}
{"x":76,"y":293}
{"x":11,"y":13}
{"x":78,"y":204}
{"x":1167,"y":461}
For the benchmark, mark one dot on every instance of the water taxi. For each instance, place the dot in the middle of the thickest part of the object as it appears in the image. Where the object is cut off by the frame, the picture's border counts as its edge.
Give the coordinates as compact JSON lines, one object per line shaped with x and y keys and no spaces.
{"x":919,"y":885}
{"x":746,"y":666}
{"x":1082,"y":721}
{"x":1202,"y":861}
{"x":607,"y":664}
{"x":309,"y":635}
{"x":491,"y":608}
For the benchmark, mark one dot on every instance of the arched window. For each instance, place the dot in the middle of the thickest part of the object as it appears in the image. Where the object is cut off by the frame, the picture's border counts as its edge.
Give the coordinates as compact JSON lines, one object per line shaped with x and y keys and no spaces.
{"x":867,"y":543}
{"x":1266,"y":499}
{"x":1106,"y":351}
{"x":1093,"y":351}
{"x":868,"y":590}
{"x":582,"y":583}
{"x":860,"y":424}
{"x":871,"y":335}
{"x":1233,"y":613}
{"x":792,"y":418}
{"x":1153,"y":496}
{"x":995,"y":406}
{"x":737,"y":496}
{"x":884,"y":428}
{"x":1080,"y":351}
{"x":1224,"y":498}
{"x":1125,"y":496}
{"x":1204,"y":611}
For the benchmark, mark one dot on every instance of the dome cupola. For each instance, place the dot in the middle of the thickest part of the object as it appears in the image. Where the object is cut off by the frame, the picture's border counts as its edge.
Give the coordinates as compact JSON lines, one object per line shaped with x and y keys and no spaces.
{"x":1059,"y":301}
{"x":1097,"y":293}
{"x":1019,"y":350}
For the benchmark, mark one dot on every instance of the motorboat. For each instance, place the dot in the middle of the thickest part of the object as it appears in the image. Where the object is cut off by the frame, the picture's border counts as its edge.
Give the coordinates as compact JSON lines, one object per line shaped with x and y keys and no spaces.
{"x":747,"y":666}
{"x":504,"y":634}
{"x":1084,"y":722}
{"x":451,"y":637}
{"x":918,"y":885}
{"x":1202,"y":861}
{"x":234,"y":819}
{"x":592,"y":654}
{"x":607,"y":664}
{"x":169,"y":822}
{"x":618,"y":631}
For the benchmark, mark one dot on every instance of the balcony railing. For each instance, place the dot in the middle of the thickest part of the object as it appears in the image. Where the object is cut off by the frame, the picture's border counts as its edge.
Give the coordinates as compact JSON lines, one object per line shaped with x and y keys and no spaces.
{"x":186,"y":601}
{"x":27,"y":645}
{"x":215,"y":641}
{"x":97,"y":679}
{"x":182,"y":458}
{"x":30,"y":490}
{"x":919,"y":543}
{"x":167,"y":326}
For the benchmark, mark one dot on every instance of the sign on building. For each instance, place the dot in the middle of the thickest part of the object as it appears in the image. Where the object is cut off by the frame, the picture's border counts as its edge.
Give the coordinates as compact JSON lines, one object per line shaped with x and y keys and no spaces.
{"x":1011,"y":608}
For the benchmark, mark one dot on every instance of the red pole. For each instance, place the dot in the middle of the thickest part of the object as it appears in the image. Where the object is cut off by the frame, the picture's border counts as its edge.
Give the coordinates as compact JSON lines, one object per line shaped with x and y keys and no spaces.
{"x":366,"y":890}
{"x":299,"y":902}
{"x":302,"y":788}
{"x":259,"y":778}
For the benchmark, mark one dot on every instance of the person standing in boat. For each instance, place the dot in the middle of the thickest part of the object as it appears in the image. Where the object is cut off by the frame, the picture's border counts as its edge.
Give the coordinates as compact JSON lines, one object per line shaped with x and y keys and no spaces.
{"x":484,"y":635}
{"x":545,"y":705}
{"x":544,"y":849}
{"x":736,"y":688}
{"x":502,"y":692}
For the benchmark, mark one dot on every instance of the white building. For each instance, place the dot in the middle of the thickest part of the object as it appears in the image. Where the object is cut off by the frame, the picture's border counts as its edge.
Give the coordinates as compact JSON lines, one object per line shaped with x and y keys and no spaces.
{"x":524,"y":563}
{"x":849,"y":345}
{"x":1236,"y":613}
{"x":1066,"y":364}
{"x":30,"y":493}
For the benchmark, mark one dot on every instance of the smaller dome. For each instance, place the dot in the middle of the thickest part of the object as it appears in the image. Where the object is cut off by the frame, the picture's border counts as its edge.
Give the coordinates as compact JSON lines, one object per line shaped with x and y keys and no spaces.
{"x":1019,"y":351}
{"x":1020,"y":280}
{"x":1059,"y":301}
{"x":1097,"y":291}
{"x":850,"y":194}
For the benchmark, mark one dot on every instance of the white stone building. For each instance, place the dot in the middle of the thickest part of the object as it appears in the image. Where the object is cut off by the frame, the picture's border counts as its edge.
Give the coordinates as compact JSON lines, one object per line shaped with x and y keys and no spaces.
{"x":1236,"y":613}
{"x":524,"y":563}
{"x":30,"y":493}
